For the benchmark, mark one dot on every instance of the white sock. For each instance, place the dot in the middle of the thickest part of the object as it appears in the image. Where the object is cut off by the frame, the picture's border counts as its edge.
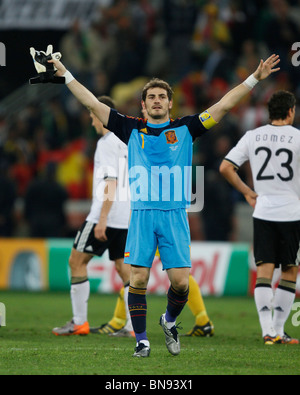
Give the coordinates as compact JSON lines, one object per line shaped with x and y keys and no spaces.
{"x":169,"y":324}
{"x":283,"y":302}
{"x":263,"y":296}
{"x":128,"y":325}
{"x":79,"y":297}
{"x":146,"y":342}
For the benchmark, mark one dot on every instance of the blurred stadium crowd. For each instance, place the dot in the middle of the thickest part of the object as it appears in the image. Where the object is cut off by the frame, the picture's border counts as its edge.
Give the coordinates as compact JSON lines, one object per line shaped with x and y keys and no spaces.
{"x":202,"y":48}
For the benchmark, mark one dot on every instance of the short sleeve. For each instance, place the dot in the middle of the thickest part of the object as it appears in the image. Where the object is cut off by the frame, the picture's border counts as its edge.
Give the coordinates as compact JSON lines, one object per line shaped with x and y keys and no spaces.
{"x":240,"y":153}
{"x":195,"y":126}
{"x":106,"y":160}
{"x":122,"y":125}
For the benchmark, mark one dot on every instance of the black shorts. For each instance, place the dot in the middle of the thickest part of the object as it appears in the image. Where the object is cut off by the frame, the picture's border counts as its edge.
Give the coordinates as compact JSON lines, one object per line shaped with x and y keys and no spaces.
{"x":276,"y":242}
{"x":85,"y":241}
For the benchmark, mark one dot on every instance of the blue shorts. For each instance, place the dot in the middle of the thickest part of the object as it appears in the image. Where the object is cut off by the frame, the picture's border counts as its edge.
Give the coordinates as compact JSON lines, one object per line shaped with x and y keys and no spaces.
{"x":166,"y":229}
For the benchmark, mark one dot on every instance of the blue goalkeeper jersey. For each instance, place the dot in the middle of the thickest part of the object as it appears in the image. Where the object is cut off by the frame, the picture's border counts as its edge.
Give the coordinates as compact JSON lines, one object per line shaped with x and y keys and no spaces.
{"x":159,"y":159}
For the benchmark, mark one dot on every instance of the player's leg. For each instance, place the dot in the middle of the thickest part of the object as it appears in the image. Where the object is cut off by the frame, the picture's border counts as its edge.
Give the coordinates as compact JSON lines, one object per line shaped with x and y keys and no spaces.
{"x":283,"y":302}
{"x":84,"y":248}
{"x":286,"y":291}
{"x":177,"y":299}
{"x":263,"y":295}
{"x":140,"y":250}
{"x":177,"y":294}
{"x":124,"y":272}
{"x":80,"y":286}
{"x":116,"y":254}
{"x":120,"y":324}
{"x":137,"y":303}
{"x":80,"y":291}
{"x":118,"y":320}
{"x":119,"y":317}
{"x":174,"y":247}
{"x":265,"y":244}
{"x":203,"y":325}
{"x":116,"y":247}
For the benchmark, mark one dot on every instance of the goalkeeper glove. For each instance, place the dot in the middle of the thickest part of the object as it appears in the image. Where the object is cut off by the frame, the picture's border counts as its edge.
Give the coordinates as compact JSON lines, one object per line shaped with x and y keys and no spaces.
{"x":46,"y":71}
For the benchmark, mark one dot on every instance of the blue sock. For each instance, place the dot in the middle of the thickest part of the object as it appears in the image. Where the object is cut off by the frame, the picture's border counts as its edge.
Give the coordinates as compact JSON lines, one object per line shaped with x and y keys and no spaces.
{"x":141,"y":336}
{"x":138,"y":311}
{"x":169,"y":318}
{"x":176,"y":302}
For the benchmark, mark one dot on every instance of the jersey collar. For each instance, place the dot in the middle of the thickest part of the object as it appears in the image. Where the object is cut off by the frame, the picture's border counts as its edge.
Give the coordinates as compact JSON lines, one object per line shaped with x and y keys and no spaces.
{"x":158,"y":126}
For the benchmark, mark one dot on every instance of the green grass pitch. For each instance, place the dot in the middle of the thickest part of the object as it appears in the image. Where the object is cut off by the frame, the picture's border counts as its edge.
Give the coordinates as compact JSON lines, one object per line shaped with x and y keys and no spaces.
{"x":27,"y":346}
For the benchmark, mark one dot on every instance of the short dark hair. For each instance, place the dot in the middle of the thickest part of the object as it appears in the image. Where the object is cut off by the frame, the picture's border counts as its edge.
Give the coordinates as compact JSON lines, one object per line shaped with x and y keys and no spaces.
{"x":157,"y":83}
{"x":107,"y":100}
{"x":279,"y":105}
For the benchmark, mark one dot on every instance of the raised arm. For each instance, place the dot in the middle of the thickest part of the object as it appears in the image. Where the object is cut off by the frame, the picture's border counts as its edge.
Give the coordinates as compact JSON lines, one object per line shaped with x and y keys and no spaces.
{"x":230,"y":100}
{"x":86,"y":98}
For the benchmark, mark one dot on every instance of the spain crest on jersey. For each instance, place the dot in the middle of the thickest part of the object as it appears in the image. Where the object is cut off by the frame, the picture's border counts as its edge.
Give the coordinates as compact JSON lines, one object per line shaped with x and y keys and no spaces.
{"x":171,"y":137}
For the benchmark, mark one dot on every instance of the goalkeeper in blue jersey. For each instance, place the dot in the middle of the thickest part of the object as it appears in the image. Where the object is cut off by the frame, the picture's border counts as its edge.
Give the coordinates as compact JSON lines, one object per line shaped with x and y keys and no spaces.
{"x":158,"y":149}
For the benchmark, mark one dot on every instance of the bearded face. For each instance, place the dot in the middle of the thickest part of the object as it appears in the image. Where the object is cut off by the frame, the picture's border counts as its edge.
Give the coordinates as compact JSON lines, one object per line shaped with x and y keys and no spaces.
{"x":157,"y":105}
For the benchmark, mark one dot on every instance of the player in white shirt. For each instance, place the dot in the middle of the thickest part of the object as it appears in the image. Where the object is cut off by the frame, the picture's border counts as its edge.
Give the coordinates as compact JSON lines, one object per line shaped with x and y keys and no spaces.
{"x":105,"y":227}
{"x":273,"y":151}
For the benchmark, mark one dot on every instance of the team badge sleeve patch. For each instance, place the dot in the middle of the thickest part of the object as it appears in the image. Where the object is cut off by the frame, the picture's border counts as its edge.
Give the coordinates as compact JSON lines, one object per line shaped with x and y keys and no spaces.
{"x":207,"y":120}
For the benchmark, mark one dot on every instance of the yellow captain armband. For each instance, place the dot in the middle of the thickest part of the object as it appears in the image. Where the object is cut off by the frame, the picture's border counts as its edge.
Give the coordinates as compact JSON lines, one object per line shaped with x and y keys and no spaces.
{"x":207,"y":120}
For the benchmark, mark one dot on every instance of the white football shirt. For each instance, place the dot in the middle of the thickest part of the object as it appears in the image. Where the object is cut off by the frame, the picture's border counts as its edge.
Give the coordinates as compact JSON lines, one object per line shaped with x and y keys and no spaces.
{"x":274,"y":155}
{"x":111,"y":162}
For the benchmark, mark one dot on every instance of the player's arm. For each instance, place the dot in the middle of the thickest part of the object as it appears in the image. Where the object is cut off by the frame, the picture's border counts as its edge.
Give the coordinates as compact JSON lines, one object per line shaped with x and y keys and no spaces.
{"x":108,"y":199}
{"x":230,"y":100}
{"x":86,"y":98}
{"x":229,"y":172}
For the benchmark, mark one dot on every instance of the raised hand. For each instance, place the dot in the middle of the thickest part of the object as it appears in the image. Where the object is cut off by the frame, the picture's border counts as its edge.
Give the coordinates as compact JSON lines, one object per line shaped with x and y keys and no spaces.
{"x":46,"y":70}
{"x":266,"y":68}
